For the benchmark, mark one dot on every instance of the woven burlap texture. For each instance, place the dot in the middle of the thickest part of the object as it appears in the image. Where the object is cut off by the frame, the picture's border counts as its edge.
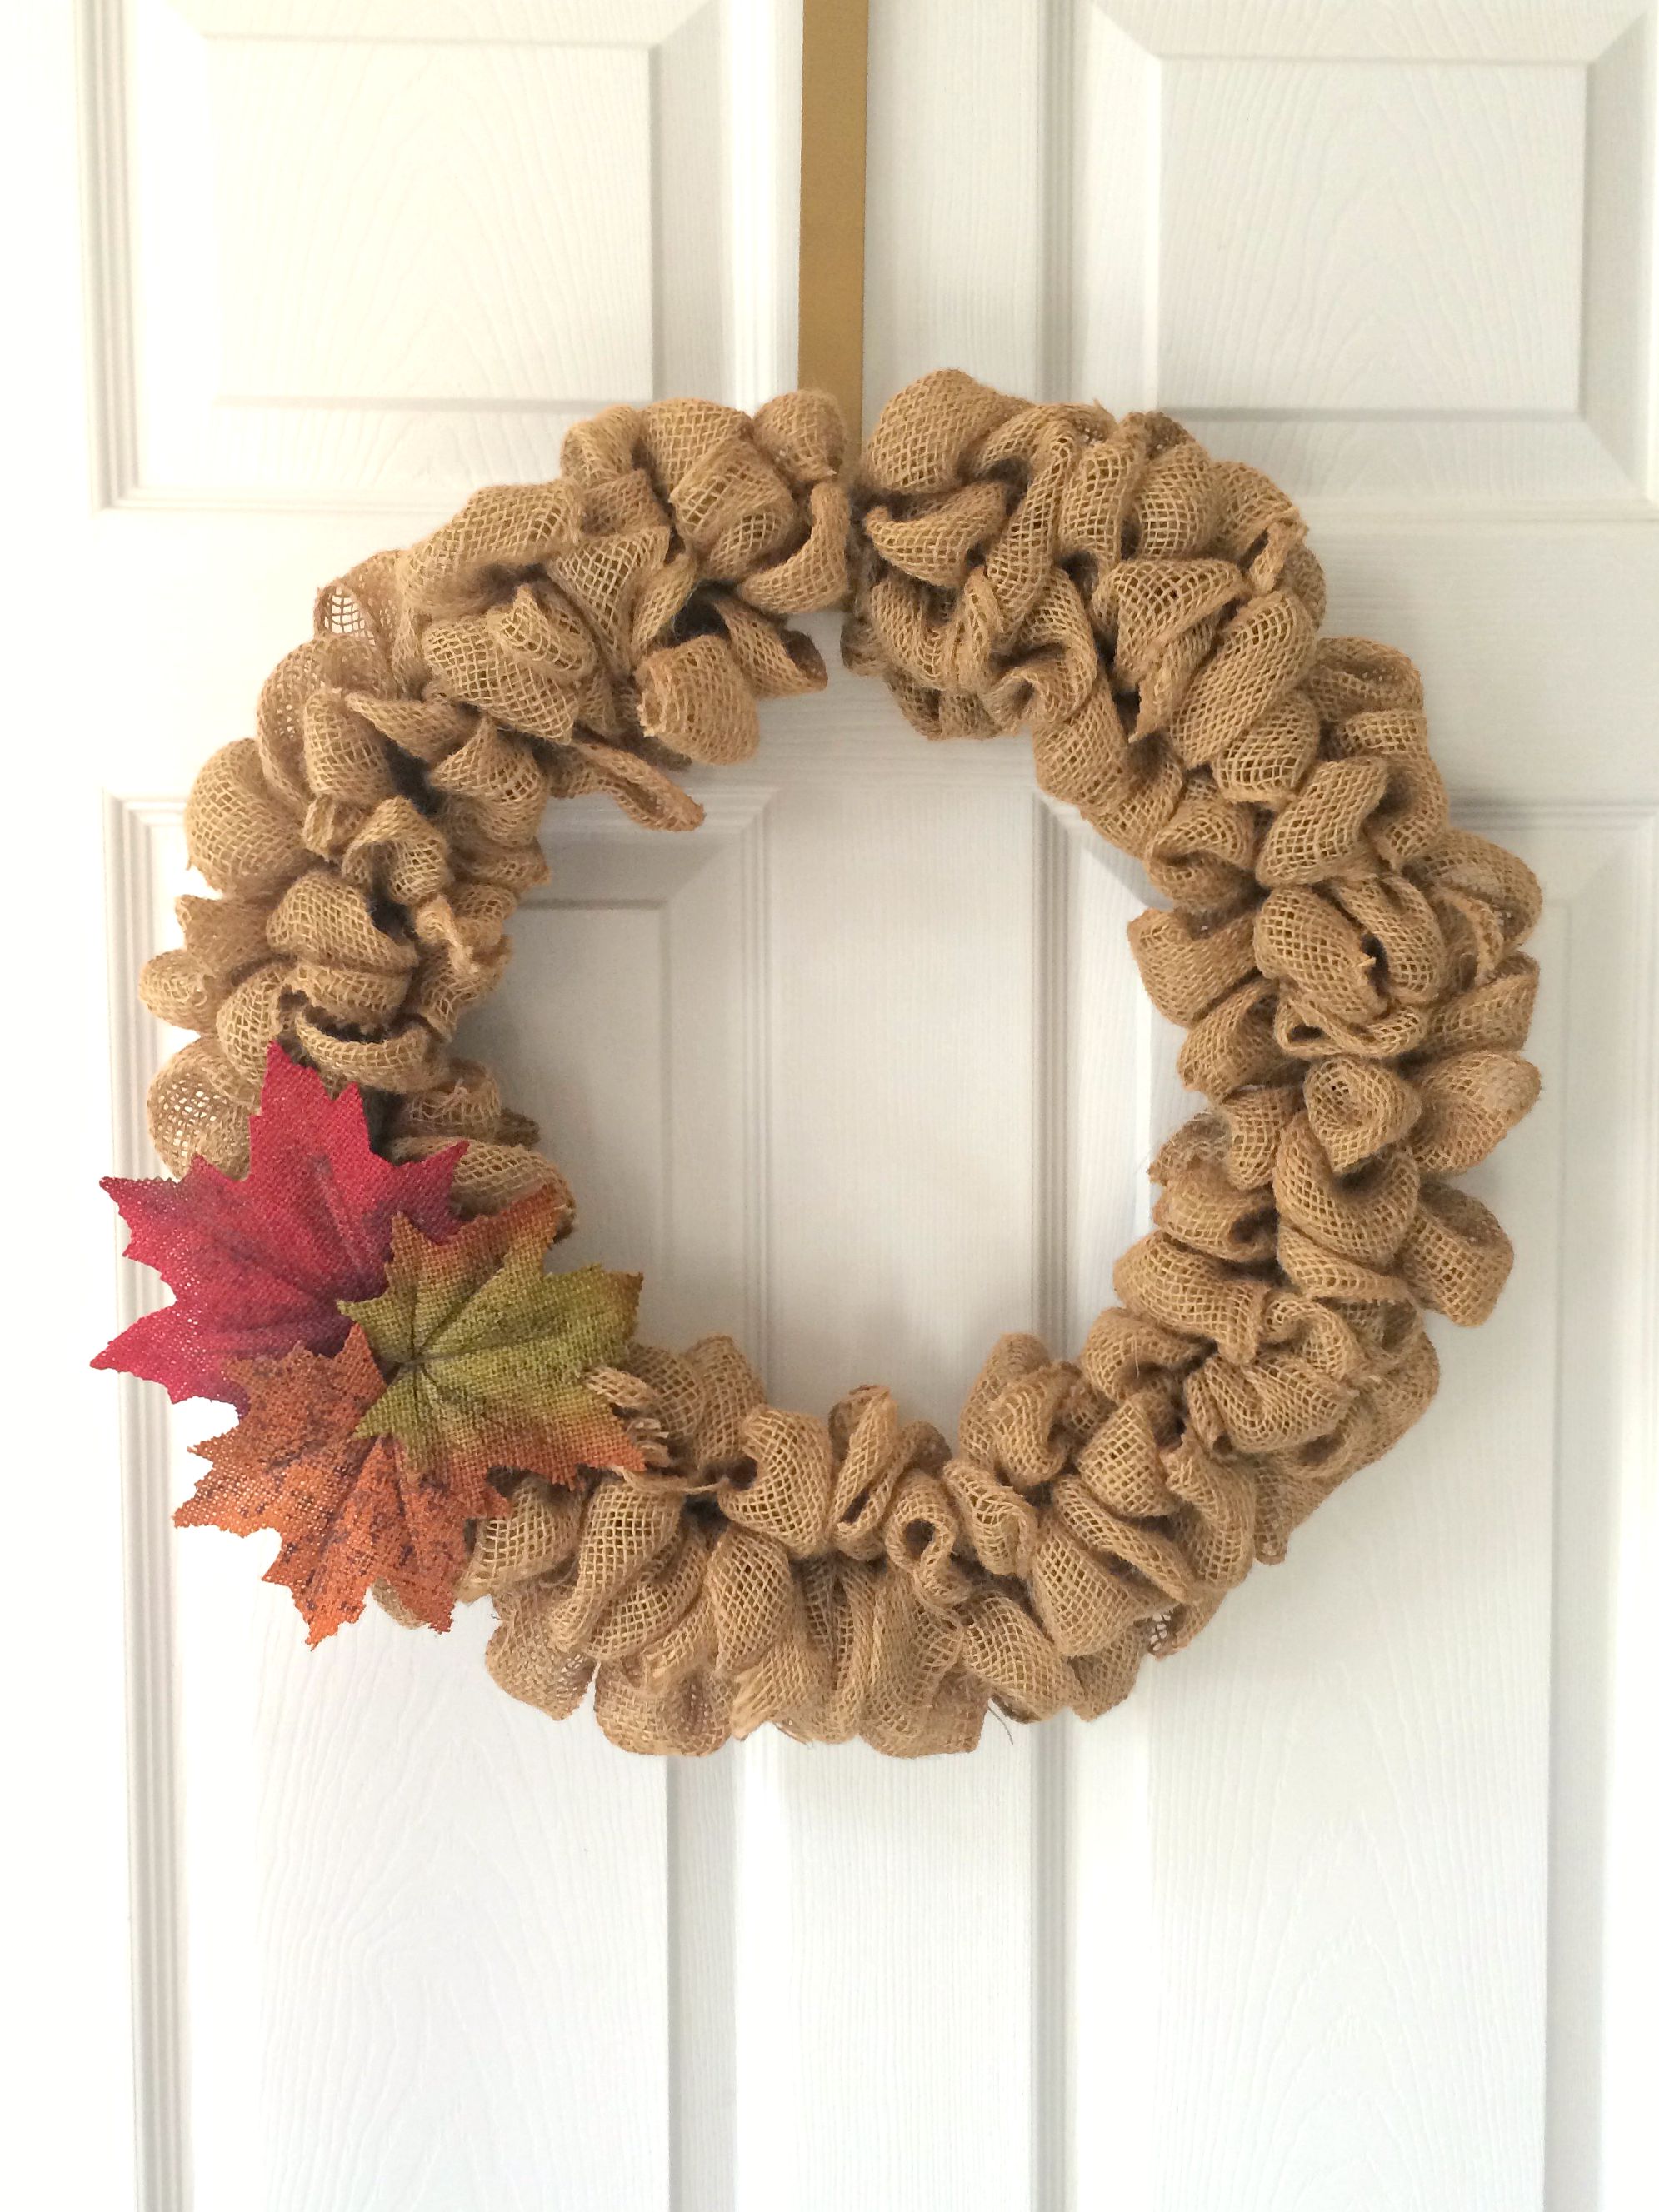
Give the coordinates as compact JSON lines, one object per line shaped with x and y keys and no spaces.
{"x":1347,"y":967}
{"x":369,"y":844}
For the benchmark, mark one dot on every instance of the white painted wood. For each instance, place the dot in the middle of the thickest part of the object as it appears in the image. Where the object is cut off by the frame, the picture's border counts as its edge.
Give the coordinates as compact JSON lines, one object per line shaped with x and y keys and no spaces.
{"x":374,"y":255}
{"x":1492,"y":31}
{"x":1397,"y":256}
{"x":1304,"y":205}
{"x":1350,"y":1798}
{"x":948,"y":241}
{"x":1351,"y":1907}
{"x":1364,"y":1901}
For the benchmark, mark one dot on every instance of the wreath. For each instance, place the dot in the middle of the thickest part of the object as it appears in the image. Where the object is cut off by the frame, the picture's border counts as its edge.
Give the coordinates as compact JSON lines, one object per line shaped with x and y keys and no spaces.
{"x":356,"y":1237}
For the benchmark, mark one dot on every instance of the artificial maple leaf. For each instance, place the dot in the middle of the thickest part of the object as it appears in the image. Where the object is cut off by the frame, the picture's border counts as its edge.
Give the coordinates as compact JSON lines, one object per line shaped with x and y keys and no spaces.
{"x":351,"y":1510}
{"x":488,"y":1353}
{"x":259,"y":1264}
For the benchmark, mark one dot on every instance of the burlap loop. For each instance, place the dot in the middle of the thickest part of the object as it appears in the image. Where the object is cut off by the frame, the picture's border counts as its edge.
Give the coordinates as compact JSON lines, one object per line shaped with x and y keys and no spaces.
{"x":703,"y":1612}
{"x":1346,"y":966}
{"x":1165,"y":1280}
{"x":1357,"y":1107}
{"x":1456,"y":1256}
{"x":1000,"y":1525}
{"x":1187,"y":970}
{"x":874,"y":1450}
{"x":1362,"y":1214}
{"x":752,"y":1593}
{"x":538,"y":1537}
{"x":1469,"y":1102}
{"x":921,"y":1534}
{"x":1122,"y":1463}
{"x":371,"y":842}
{"x":781,"y":1487}
{"x":1496,"y":1013}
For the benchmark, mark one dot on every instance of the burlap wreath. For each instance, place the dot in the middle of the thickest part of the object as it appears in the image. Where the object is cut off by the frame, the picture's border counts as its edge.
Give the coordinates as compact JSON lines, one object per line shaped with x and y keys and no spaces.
{"x":1346,"y":966}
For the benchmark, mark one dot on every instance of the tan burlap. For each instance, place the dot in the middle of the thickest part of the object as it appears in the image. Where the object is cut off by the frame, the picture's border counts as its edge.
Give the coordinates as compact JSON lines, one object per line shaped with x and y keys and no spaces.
{"x":1346,"y":964}
{"x":371,"y":842}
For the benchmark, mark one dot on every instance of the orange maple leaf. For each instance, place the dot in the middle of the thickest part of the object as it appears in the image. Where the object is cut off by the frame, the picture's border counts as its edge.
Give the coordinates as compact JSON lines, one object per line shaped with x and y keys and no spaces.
{"x":351,"y":1511}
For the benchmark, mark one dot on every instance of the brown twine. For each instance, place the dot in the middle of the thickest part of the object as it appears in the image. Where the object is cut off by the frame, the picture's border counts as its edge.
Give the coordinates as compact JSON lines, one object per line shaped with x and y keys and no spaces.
{"x":1346,"y":966}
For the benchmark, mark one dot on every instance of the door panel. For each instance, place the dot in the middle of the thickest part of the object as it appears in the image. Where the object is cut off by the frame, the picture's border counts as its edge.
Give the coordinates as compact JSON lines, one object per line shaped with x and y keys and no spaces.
{"x":1373,"y":1972}
{"x":376,"y":254}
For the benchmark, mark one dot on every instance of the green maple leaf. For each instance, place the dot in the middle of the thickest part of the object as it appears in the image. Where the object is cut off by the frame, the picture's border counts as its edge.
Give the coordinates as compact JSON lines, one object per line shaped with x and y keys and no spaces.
{"x":486,"y":1353}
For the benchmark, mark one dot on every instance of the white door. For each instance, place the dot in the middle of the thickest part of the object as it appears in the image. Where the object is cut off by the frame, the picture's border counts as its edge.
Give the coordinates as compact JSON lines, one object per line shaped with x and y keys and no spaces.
{"x":1349,"y":1907}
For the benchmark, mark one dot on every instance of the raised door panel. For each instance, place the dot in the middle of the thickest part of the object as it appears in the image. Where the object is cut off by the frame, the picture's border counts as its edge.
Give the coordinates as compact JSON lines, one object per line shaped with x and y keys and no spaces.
{"x":1401,"y":257}
{"x":374,"y":255}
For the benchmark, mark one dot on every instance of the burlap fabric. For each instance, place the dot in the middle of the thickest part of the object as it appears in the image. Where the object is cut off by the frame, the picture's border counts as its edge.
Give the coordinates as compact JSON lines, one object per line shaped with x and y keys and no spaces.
{"x":370,"y":842}
{"x":1346,"y":966}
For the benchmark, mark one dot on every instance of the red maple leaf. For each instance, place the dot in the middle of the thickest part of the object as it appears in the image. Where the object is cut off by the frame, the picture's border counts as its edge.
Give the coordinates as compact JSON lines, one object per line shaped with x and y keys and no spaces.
{"x":259,"y":1264}
{"x":351,"y":1511}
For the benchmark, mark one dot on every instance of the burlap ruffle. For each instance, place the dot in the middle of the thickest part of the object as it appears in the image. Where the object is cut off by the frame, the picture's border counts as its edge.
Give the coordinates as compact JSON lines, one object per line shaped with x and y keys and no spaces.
{"x":1347,"y":967}
{"x":1348,"y":970}
{"x":370,"y":843}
